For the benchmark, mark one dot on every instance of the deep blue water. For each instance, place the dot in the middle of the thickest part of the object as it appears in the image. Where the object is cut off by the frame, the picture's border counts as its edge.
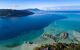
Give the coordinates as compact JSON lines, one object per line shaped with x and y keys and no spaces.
{"x":13,"y":27}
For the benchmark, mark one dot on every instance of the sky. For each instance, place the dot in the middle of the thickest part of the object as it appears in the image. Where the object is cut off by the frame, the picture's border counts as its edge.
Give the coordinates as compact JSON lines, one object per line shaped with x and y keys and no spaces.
{"x":41,"y":4}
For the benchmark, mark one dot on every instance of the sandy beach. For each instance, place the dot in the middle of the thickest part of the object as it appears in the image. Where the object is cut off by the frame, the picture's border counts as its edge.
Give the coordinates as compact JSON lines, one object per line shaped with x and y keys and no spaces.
{"x":21,"y":47}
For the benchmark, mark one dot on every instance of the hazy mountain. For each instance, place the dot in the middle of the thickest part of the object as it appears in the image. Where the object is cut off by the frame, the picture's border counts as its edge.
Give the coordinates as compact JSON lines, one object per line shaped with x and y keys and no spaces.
{"x":34,"y":9}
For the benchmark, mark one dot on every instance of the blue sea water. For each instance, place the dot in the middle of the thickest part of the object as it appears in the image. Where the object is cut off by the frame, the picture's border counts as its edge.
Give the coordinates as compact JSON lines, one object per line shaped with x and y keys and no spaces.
{"x":27,"y":28}
{"x":72,"y":22}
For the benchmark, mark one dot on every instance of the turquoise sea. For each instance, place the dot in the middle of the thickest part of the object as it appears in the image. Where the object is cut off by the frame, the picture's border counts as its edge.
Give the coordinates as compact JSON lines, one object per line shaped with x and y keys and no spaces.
{"x":31,"y":28}
{"x":71,"y":25}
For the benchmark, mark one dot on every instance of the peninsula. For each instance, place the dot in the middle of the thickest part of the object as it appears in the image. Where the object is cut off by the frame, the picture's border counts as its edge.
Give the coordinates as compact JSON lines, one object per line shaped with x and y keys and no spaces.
{"x":14,"y":13}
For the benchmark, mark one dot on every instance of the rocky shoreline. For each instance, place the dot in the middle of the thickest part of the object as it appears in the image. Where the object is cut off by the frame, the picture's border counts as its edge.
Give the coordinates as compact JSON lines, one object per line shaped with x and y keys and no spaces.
{"x":59,"y":46}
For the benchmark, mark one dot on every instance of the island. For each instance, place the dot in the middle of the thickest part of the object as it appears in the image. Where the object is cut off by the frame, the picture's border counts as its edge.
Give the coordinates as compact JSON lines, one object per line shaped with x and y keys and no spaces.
{"x":14,"y":13}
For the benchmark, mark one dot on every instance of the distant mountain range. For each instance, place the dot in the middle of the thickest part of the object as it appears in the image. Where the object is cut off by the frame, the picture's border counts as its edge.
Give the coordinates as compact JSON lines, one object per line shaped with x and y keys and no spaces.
{"x":62,"y":11}
{"x":34,"y":9}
